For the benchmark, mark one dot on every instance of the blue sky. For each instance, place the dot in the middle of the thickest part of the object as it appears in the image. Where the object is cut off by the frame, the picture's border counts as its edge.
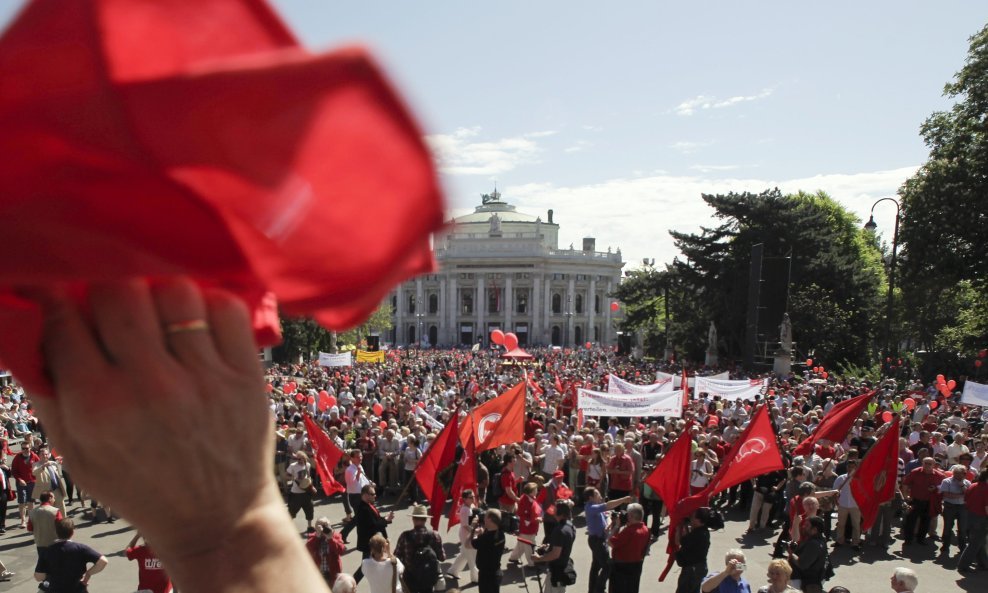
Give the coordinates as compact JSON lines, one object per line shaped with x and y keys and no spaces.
{"x":618,"y":115}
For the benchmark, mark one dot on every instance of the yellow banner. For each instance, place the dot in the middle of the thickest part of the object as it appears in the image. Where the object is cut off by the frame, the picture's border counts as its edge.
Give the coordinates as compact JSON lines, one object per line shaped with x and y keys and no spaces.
{"x":365,"y":356}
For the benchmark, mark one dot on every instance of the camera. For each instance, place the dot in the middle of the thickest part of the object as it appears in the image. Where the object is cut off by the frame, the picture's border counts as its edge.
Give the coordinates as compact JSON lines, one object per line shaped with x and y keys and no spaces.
{"x":326,"y":529}
{"x":619,"y":517}
{"x":510,"y":523}
{"x":740,"y":566}
{"x":476,"y":516}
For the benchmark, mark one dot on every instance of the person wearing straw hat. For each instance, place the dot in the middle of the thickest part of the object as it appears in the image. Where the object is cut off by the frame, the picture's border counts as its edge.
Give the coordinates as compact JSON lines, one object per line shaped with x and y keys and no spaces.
{"x":420,"y":549}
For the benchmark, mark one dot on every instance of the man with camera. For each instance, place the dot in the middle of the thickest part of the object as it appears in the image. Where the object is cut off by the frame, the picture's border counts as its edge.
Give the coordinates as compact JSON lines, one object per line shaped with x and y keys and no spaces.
{"x":326,"y":548}
{"x":596,"y":510}
{"x":629,"y":543}
{"x":557,"y":556}
{"x":488,"y":541}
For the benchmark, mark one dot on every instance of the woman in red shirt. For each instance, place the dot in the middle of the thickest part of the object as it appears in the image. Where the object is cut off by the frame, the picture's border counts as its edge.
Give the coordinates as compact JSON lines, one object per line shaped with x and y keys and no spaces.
{"x":529,"y":517}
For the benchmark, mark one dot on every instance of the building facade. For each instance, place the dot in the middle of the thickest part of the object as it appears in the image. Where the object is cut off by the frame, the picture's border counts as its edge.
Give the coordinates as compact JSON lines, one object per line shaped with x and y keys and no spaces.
{"x":503,"y":269}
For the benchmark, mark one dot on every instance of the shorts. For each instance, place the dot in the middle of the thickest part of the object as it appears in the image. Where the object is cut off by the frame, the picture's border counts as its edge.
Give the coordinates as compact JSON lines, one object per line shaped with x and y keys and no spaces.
{"x":300,"y":501}
{"x":24,"y":493}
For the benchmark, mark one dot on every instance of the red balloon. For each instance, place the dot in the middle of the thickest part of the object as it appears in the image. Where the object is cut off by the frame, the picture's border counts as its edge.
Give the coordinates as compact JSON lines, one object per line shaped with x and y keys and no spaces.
{"x":311,"y":400}
{"x":330,"y":400}
{"x":510,"y":341}
{"x":497,"y":336}
{"x":289,"y":388}
{"x":809,"y":362}
{"x":588,"y":345}
{"x":887,"y":416}
{"x":951,"y":384}
{"x":378,"y":409}
{"x":941,"y":379}
{"x":910,"y":403}
{"x":382,"y":424}
{"x":269,"y":387}
{"x":824,"y":374}
{"x":977,"y":364}
{"x":982,"y":353}
{"x":420,"y":404}
{"x":934,"y":404}
{"x":299,"y":397}
{"x":323,"y":404}
{"x":944,"y":391}
{"x":323,"y":393}
{"x":615,"y":306}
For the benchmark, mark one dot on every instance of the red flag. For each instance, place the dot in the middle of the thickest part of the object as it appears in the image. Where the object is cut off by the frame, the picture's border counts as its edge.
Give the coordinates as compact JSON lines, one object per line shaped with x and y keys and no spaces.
{"x":874,"y":481}
{"x":558,"y":385}
{"x":684,"y":384}
{"x":836,"y":423}
{"x":440,"y":455}
{"x":536,"y":390}
{"x":160,"y":138}
{"x":671,"y":481}
{"x":326,"y":456}
{"x":501,"y":421}
{"x":754,"y":453}
{"x":466,"y":477}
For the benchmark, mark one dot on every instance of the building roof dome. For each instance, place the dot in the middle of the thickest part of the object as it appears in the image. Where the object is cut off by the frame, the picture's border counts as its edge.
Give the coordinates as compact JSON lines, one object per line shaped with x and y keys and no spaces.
{"x":492,"y":204}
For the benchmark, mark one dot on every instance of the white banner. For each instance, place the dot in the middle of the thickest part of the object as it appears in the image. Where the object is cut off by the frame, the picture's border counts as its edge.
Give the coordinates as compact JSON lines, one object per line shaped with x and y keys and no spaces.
{"x":974,"y":394}
{"x":730,"y":390}
{"x":691,"y":381}
{"x":616,"y":384}
{"x":335,"y":360}
{"x":429,"y":420}
{"x":597,"y":403}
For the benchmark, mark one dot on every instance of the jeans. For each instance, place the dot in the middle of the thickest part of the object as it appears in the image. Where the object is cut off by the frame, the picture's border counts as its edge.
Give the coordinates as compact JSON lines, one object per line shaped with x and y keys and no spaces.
{"x":954,"y":513}
{"x":977,"y":531}
{"x":600,"y":567}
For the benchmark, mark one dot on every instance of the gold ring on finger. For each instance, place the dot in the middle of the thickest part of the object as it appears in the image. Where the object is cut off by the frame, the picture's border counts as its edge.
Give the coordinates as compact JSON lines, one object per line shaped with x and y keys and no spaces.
{"x":191,"y":325}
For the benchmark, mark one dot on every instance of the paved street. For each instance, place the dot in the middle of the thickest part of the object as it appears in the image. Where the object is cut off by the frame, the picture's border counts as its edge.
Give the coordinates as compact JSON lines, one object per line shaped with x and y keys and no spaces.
{"x":867,"y":574}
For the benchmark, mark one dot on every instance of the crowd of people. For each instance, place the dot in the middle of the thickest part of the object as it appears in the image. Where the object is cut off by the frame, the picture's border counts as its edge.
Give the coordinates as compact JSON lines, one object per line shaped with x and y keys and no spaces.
{"x":567,"y":471}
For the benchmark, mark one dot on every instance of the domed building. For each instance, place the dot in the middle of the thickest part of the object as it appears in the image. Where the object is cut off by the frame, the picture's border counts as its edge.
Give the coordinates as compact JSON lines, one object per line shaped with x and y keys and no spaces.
{"x":503,"y":269}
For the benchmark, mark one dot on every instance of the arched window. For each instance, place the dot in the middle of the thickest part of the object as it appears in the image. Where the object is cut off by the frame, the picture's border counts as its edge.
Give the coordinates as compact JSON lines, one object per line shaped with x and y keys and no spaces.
{"x":579,"y":305}
{"x":557,"y":304}
{"x":411,"y":303}
{"x":433,"y":335}
{"x":411,"y":334}
{"x":394,"y":303}
{"x":522,"y":299}
{"x":596,"y":304}
{"x":433,"y":303}
{"x":578,"y":335}
{"x":556,"y":336}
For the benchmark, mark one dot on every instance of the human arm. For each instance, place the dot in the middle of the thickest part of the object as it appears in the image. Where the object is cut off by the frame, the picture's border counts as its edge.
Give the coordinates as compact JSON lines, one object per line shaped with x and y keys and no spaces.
{"x":242,"y":541}
{"x":613,"y":504}
{"x":97,"y":567}
{"x":551,"y":555}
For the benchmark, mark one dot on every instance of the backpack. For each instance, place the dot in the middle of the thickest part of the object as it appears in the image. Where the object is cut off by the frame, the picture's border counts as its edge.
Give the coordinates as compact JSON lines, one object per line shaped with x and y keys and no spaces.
{"x":497,"y":487}
{"x":422,"y":569}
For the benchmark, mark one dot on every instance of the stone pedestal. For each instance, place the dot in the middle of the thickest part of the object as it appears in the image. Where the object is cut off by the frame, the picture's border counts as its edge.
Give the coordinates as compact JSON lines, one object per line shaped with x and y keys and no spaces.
{"x":783,"y":363}
{"x":710,"y":359}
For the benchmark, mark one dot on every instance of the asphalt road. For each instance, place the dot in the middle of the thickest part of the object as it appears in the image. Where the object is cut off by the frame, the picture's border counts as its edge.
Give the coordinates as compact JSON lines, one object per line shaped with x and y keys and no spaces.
{"x":867,"y":573}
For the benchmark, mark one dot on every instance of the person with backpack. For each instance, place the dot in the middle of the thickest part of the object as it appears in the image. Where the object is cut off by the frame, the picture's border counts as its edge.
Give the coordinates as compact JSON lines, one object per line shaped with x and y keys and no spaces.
{"x":488,"y":541}
{"x":809,"y":558}
{"x":420,"y":549}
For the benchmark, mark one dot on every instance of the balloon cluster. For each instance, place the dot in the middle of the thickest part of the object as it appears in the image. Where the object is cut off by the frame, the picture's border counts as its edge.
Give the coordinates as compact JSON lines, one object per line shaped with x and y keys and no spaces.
{"x":945,"y":387}
{"x":508,"y":340}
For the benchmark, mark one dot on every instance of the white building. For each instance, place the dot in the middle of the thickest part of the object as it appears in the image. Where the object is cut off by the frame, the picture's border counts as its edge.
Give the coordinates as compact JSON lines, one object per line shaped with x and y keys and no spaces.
{"x":502,"y":269}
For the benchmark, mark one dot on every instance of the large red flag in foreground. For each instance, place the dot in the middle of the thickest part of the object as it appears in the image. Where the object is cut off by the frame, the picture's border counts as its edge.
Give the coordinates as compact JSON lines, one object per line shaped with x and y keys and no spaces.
{"x":179,"y":137}
{"x":874,"y":481}
{"x":837,"y":423}
{"x":466,"y":477}
{"x":440,"y":455}
{"x":500,"y":421}
{"x":671,"y":481}
{"x":326,"y":456}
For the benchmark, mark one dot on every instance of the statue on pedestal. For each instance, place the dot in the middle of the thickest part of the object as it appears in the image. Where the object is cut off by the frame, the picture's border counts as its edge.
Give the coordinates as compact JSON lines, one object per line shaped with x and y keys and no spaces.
{"x":785,"y":335}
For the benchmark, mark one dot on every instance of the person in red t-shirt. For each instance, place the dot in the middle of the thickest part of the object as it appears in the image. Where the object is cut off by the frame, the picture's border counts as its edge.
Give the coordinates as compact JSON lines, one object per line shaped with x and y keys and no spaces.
{"x":532,"y":425}
{"x":21,"y":470}
{"x":151,"y":575}
{"x":976,"y":502}
{"x":919,"y":487}
{"x":628,"y":547}
{"x":620,"y":473}
{"x":509,"y":485}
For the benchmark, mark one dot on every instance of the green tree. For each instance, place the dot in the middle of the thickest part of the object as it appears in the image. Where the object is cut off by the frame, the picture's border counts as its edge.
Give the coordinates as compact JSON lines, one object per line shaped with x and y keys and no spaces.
{"x":945,"y":214}
{"x":378,"y":322}
{"x":837,"y":278}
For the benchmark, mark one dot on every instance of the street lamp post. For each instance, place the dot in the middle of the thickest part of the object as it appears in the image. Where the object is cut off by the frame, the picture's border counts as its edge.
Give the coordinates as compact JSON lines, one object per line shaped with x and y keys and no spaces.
{"x":872,"y":227}
{"x":419,"y":317}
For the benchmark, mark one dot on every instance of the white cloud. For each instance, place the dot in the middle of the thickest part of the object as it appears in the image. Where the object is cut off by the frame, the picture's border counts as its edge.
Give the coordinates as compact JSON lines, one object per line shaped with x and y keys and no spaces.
{"x":579,"y":146}
{"x":691,"y":106}
{"x":712,"y":168}
{"x":689,"y":147}
{"x":636,"y":213}
{"x":462,"y":153}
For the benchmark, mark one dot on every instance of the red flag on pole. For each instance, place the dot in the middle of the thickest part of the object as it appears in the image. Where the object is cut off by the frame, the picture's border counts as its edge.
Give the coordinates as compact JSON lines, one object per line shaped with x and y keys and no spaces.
{"x":466,"y":477}
{"x":671,"y":481}
{"x":684,"y":384}
{"x":440,"y":455}
{"x":874,"y":481}
{"x":501,"y":421}
{"x":326,"y":456}
{"x":836,"y":423}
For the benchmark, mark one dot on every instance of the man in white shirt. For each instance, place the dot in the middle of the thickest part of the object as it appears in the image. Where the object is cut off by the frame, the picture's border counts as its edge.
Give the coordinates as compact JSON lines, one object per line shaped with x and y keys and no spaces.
{"x":955,"y":449}
{"x":953,"y":490}
{"x":847,"y":508}
{"x":552,"y":457}
{"x":356,"y":479}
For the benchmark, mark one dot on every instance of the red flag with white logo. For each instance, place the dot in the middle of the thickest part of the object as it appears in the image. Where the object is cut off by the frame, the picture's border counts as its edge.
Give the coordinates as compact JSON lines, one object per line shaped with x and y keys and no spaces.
{"x":501,"y":421}
{"x":756,"y":452}
{"x":874,"y":481}
{"x":466,"y":477}
{"x":836,"y":423}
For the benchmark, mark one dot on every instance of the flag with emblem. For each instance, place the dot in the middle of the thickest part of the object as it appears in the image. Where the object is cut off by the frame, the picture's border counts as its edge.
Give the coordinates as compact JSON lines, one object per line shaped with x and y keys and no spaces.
{"x":438,"y":457}
{"x":500,"y":421}
{"x":874,"y":481}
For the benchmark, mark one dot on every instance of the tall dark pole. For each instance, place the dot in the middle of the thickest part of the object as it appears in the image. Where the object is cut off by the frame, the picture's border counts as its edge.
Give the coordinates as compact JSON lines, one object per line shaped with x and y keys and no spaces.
{"x":872,"y":226}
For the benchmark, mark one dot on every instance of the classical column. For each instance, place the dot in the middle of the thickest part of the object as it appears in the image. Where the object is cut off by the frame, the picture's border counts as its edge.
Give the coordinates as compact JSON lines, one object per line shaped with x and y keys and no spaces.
{"x":400,"y":315}
{"x":443,"y":319}
{"x":420,"y":307}
{"x":480,"y":301}
{"x":453,"y":304}
{"x":608,"y":335}
{"x":533,"y":305}
{"x":570,"y":308}
{"x":508,"y":302}
{"x":547,"y":309}
{"x":591,"y":312}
